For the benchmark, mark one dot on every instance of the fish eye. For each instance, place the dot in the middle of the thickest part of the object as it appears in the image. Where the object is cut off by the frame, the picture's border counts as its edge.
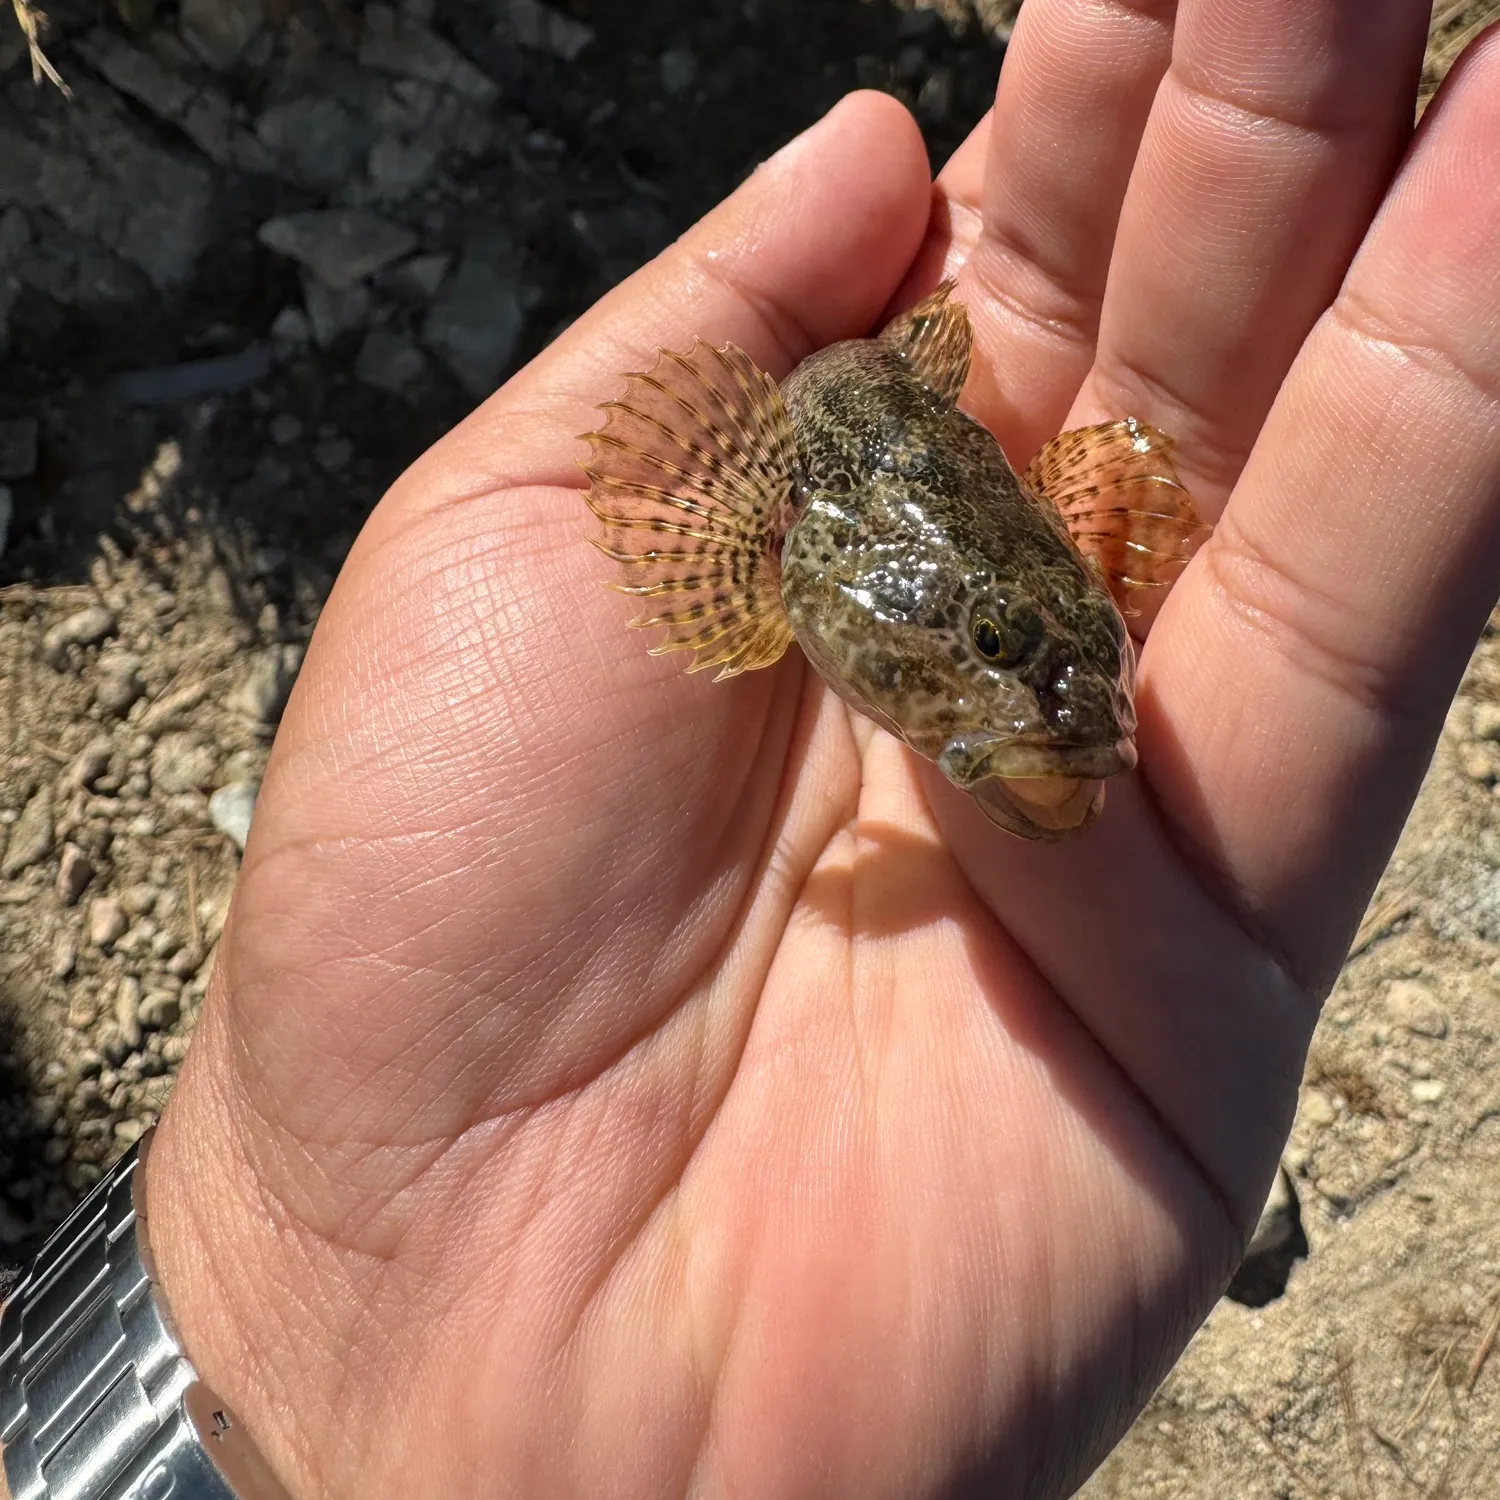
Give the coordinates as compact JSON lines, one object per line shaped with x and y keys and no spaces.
{"x":987,"y":640}
{"x":1004,"y":634}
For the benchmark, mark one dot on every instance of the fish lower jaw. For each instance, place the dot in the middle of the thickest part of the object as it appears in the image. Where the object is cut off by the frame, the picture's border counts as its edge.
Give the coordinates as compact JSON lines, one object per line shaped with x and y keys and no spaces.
{"x":1043,"y":809}
{"x":1042,"y":792}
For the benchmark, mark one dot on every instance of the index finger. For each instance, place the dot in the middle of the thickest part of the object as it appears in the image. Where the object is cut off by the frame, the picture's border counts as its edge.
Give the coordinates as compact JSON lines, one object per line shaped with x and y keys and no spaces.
{"x":1302,"y":668}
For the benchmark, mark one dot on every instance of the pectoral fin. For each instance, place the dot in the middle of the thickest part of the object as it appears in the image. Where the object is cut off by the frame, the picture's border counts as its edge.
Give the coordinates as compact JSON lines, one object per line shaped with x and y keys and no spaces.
{"x":692,"y":476}
{"x":1122,"y":501}
{"x":936,"y":339}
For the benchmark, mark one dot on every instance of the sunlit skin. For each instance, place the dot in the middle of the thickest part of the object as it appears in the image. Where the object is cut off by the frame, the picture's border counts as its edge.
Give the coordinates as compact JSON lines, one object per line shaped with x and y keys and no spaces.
{"x":616,"y":1083}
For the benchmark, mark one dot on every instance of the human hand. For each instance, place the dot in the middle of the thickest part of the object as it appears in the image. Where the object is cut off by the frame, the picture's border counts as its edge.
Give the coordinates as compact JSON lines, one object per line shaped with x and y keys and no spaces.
{"x":617,"y":1083}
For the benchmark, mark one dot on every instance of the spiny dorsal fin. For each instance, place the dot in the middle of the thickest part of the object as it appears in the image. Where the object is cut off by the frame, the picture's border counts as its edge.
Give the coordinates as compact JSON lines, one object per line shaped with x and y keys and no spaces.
{"x":1118,"y":492}
{"x":935,"y":338}
{"x":692,"y":476}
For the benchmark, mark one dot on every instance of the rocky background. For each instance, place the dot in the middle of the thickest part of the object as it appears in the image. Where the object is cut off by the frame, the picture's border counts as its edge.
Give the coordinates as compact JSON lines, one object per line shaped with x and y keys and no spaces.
{"x":262,"y":254}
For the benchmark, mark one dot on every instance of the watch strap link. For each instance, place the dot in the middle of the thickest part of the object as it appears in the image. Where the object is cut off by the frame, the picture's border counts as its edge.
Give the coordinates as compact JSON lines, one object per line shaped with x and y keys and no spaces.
{"x":97,"y":1400}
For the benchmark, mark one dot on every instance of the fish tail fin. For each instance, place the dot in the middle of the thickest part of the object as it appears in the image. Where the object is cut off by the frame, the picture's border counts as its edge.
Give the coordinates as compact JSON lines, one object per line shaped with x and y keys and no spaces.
{"x":692,"y":476}
{"x":1118,"y":493}
{"x":936,"y":339}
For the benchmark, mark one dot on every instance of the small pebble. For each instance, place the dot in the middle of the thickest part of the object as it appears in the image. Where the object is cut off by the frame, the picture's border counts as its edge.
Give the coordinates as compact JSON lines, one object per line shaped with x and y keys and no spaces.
{"x":1428,"y":1090}
{"x":1317,"y":1108}
{"x":83,"y":1011}
{"x":261,"y":693}
{"x":1415,"y":1005}
{"x":89,"y":764}
{"x":1477,"y":761}
{"x":182,"y":763}
{"x":159,"y":1010}
{"x":230,"y":809}
{"x":64,"y":956}
{"x":107,"y":922}
{"x":333,"y":455}
{"x":74,"y":871}
{"x":138,"y":898}
{"x":112,"y":1044}
{"x":84,"y":627}
{"x":31,"y":835}
{"x":679,"y":70}
{"x":184,"y":963}
{"x":1487,"y":721}
{"x":119,"y":684}
{"x":285,"y":428}
{"x":128,"y":1010}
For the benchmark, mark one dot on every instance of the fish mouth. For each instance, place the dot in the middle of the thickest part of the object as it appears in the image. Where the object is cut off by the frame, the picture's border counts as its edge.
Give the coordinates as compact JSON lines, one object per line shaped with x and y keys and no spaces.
{"x":1041,"y":792}
{"x":967,"y":760}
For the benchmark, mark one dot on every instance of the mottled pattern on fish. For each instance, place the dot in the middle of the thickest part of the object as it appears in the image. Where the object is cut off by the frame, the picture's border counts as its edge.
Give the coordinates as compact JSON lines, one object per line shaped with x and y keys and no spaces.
{"x":913,"y":518}
{"x":856,"y":509}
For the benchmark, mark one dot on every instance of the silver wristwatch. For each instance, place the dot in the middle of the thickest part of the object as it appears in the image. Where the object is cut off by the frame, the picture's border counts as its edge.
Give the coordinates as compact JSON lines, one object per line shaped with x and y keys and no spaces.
{"x":97,"y":1399}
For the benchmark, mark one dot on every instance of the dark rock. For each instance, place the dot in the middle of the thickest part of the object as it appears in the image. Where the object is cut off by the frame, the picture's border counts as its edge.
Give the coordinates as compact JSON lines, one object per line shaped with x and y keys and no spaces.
{"x":390,"y":362}
{"x":333,"y":314}
{"x":318,"y":140}
{"x":1275,"y":1247}
{"x":534,"y":24}
{"x":475,"y":324}
{"x":93,"y":168}
{"x":679,"y":70}
{"x":393,"y":44}
{"x":219,"y":31}
{"x":340,"y":246}
{"x":18,"y":448}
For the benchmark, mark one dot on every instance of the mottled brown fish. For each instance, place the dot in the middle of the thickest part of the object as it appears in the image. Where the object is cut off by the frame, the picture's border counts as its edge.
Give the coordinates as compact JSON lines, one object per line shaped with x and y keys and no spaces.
{"x":970,"y":612}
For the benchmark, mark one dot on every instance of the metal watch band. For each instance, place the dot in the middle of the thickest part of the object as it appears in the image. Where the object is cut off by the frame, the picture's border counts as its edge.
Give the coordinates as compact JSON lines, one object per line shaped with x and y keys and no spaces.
{"x":97,"y":1400}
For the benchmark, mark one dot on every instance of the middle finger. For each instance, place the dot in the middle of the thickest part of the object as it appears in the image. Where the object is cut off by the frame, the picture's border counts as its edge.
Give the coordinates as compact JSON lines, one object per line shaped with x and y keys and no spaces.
{"x":1271,"y":141}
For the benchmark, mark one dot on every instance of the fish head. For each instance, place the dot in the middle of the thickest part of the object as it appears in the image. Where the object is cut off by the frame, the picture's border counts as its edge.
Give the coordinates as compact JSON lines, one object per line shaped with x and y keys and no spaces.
{"x":1007,"y":665}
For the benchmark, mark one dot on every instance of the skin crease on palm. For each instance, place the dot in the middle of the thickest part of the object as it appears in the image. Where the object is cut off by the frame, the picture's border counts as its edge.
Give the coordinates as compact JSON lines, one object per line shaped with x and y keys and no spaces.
{"x":619,"y":1084}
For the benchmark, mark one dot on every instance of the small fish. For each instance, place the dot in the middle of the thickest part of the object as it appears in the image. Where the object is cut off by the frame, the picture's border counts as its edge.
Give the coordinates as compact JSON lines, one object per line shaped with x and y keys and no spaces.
{"x":972,"y":613}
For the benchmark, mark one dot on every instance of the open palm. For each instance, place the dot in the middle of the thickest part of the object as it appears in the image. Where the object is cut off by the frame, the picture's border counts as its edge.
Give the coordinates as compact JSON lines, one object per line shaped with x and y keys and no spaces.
{"x":619,"y":1084}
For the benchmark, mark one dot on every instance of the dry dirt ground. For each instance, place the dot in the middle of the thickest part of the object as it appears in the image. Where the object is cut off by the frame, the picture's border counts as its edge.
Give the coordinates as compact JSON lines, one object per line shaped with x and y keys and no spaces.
{"x":266,"y":253}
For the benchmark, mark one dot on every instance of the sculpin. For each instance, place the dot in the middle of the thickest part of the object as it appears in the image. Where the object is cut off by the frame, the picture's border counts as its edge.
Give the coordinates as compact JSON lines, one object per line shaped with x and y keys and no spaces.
{"x":973,"y":613}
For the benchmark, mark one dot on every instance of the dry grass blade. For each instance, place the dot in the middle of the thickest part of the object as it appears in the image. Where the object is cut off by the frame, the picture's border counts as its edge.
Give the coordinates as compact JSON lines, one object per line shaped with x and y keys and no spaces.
{"x":32,"y":21}
{"x":1296,"y":1475}
{"x":1439,"y":1364}
{"x":1380,"y":921}
{"x":1484,"y":1348}
{"x":1455,"y":23}
{"x":1353,"y":1434}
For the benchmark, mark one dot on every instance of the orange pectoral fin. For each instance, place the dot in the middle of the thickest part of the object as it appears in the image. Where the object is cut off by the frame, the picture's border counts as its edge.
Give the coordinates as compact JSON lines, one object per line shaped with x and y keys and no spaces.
{"x":1119,"y":495}
{"x":691,"y":476}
